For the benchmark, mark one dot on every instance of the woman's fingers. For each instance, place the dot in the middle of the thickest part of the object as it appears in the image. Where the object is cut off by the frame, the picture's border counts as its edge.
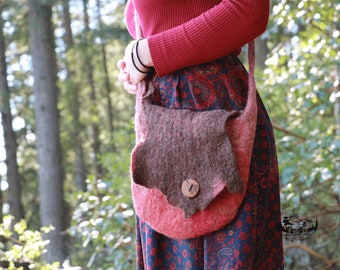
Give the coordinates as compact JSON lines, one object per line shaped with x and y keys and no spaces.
{"x":130,"y":88}
{"x":123,"y":76}
{"x":121,"y":64}
{"x":128,"y":76}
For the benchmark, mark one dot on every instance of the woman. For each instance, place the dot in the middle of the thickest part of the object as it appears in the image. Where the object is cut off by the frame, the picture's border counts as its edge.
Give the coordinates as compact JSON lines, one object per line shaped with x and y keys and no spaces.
{"x":180,"y":35}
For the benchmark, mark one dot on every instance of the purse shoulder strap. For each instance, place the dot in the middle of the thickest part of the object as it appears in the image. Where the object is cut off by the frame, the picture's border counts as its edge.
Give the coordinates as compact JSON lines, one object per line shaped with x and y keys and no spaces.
{"x":251,"y":101}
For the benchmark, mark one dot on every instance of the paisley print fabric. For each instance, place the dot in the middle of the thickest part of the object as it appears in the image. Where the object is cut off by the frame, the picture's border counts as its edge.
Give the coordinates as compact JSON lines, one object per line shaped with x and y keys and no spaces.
{"x":253,"y":239}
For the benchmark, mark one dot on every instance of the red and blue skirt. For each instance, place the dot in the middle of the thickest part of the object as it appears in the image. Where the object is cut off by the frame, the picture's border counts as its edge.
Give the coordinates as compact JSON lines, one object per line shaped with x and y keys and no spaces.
{"x":253,"y":240}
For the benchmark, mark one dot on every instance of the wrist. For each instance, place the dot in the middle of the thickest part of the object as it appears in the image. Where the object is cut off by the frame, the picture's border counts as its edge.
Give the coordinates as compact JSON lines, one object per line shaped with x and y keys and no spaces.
{"x":136,"y":59}
{"x":144,"y":53}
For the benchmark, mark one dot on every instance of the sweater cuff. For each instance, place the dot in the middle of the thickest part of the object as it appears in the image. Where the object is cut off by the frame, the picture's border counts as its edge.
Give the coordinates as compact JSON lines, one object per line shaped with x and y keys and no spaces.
{"x":160,"y":61}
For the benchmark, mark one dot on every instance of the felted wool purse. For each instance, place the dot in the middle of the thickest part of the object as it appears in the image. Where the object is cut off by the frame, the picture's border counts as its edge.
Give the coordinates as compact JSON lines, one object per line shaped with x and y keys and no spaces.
{"x":190,"y":169}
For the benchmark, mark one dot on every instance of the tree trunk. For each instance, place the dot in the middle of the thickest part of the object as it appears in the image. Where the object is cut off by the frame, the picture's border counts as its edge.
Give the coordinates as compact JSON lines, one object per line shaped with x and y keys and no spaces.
{"x":47,"y":128}
{"x":79,"y":164}
{"x":96,"y":145}
{"x":107,"y":78}
{"x":13,"y":177}
{"x":337,"y":106}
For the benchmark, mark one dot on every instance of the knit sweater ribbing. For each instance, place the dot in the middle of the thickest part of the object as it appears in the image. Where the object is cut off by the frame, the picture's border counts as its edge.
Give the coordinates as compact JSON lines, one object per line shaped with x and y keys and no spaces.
{"x":185,"y":33}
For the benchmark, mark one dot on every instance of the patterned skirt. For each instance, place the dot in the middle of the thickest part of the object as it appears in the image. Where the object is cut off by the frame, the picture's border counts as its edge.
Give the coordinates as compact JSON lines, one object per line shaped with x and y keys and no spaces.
{"x":253,"y":239}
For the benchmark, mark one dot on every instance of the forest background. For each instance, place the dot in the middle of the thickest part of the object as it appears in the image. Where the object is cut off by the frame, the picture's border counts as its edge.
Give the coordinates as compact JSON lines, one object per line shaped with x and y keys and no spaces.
{"x":67,"y":128}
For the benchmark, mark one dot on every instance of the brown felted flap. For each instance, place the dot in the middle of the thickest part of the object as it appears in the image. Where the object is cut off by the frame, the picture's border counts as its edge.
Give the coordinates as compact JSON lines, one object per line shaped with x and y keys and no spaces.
{"x":179,"y":146}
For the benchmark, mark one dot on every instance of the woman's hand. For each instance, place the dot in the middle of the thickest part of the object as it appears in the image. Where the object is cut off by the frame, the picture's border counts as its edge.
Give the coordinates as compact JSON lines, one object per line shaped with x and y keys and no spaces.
{"x":131,"y":69}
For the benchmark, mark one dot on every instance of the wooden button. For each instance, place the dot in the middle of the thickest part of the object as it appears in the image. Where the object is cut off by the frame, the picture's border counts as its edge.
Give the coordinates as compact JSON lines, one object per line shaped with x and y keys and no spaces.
{"x":190,"y":188}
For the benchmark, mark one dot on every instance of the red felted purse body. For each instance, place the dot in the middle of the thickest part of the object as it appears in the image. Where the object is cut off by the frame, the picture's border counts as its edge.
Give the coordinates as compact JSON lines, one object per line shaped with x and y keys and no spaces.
{"x":190,"y":169}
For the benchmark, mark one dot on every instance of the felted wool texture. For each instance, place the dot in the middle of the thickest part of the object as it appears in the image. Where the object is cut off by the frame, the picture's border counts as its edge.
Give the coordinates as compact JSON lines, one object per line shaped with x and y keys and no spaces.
{"x":181,"y":145}
{"x":153,"y":207}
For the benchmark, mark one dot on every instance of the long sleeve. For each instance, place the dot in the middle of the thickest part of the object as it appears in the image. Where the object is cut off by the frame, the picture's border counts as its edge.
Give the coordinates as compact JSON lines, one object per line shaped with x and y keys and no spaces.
{"x":220,"y":30}
{"x":130,"y":16}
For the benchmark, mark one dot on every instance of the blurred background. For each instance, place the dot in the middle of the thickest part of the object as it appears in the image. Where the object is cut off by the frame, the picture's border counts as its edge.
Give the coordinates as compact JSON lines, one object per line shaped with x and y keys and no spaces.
{"x":67,"y":131}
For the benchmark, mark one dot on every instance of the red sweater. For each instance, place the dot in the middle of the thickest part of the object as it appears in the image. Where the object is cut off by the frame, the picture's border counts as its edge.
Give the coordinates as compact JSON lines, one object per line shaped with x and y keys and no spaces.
{"x":183,"y":33}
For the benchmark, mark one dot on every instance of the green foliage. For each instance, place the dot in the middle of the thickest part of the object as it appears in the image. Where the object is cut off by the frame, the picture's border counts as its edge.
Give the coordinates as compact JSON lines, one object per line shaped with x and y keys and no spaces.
{"x":103,"y":220}
{"x":102,"y":229}
{"x":21,"y":245}
{"x":300,"y":86}
{"x":302,"y":76}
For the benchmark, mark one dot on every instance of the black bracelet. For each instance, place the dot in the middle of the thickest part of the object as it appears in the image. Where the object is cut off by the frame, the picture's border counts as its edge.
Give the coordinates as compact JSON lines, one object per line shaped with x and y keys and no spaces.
{"x":134,"y":63}
{"x":139,"y":60}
